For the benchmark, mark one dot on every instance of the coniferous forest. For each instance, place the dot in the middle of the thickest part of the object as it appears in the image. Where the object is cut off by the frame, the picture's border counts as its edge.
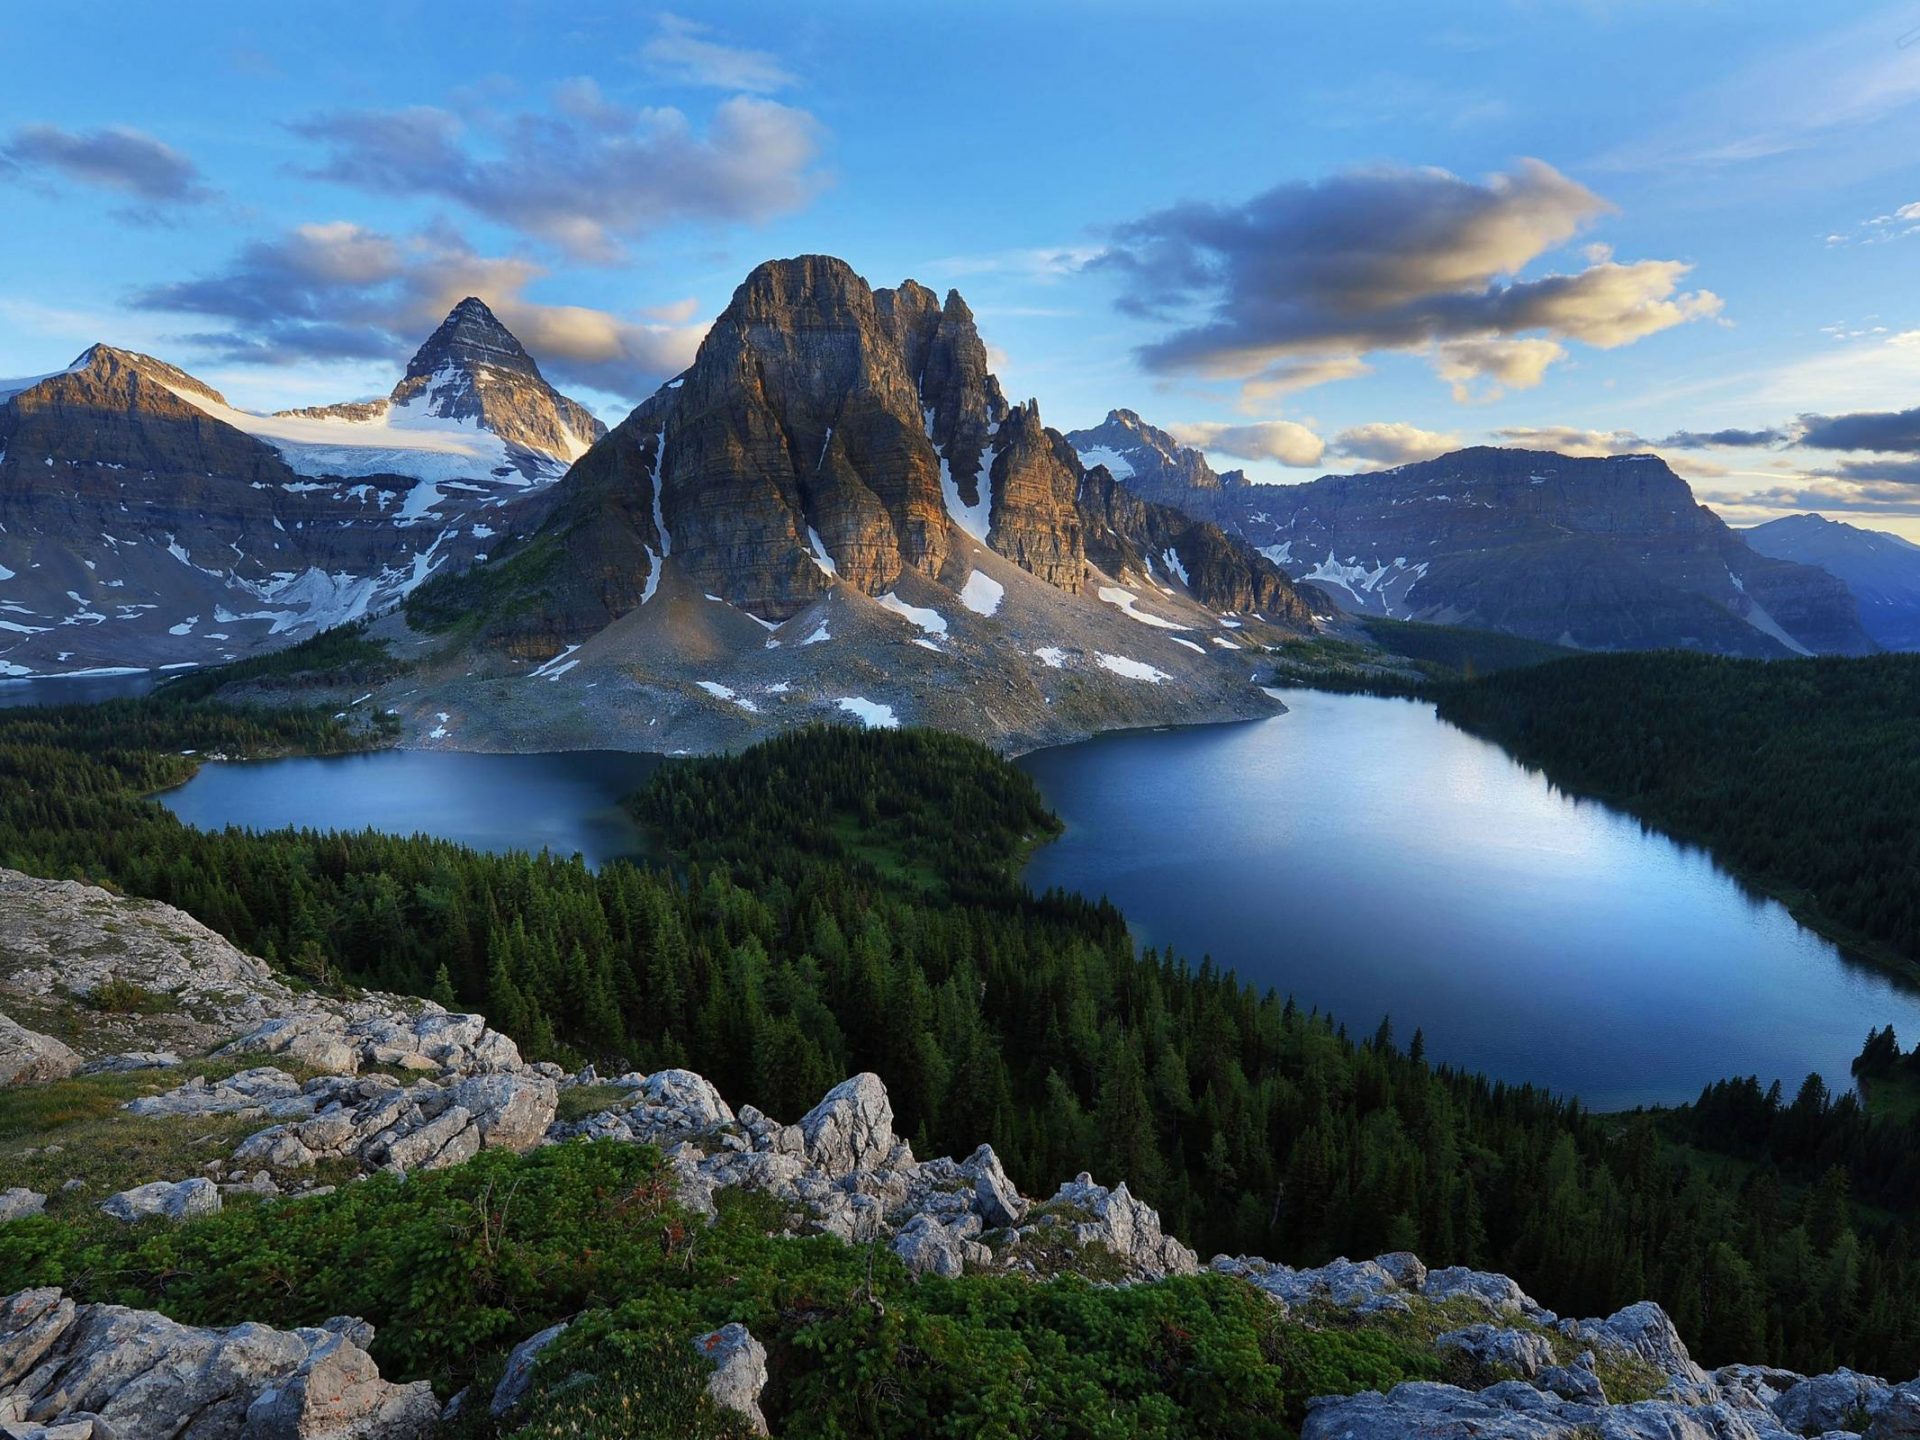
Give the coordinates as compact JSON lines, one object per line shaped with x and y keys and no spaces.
{"x":839,"y":900}
{"x":1802,"y":776}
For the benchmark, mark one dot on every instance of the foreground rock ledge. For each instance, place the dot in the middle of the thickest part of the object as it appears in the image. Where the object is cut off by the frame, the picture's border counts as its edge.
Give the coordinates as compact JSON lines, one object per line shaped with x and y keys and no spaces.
{"x":89,"y":1372}
{"x":104,"y":1372}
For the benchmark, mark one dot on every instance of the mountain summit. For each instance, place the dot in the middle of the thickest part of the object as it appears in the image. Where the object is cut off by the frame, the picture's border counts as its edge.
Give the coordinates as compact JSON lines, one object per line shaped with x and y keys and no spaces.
{"x":474,"y":374}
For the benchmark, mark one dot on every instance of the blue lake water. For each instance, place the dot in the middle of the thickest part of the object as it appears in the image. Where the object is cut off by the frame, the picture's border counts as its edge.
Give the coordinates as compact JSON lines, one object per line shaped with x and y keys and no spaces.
{"x":568,"y":803}
{"x":1356,"y":853}
{"x":1369,"y":859}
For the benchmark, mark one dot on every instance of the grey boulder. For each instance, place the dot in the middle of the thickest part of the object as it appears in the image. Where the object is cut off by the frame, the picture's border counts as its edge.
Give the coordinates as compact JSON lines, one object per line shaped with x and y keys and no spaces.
{"x":19,"y":1202}
{"x":739,"y":1371}
{"x":518,"y":1378}
{"x":28,"y":1057}
{"x":171,"y":1200}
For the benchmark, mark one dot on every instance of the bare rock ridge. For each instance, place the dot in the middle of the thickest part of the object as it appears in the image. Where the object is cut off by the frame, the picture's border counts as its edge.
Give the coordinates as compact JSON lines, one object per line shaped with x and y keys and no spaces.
{"x":1603,"y":553}
{"x":72,"y":1371}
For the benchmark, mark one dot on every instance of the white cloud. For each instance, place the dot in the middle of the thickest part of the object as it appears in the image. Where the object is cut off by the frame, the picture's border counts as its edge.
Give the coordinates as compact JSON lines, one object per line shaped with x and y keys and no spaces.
{"x":681,"y":50}
{"x":1297,"y":285}
{"x":1285,"y":441}
{"x":1394,"y":443}
{"x":587,"y":174}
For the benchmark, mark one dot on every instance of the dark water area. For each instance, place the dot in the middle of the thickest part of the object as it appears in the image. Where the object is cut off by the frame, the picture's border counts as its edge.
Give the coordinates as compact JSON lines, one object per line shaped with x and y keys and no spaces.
{"x":566,"y":802}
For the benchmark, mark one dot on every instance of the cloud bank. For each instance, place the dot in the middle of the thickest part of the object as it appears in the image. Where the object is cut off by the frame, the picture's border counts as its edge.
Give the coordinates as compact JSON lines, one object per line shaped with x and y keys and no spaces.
{"x":1297,"y":285}
{"x":149,"y":172}
{"x":340,"y":291}
{"x":587,"y":175}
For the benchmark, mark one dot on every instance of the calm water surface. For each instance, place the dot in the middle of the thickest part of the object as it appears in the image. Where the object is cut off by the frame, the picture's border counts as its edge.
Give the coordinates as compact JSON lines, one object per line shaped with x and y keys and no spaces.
{"x":1367,"y":858}
{"x":1356,"y":853}
{"x":567,"y":802}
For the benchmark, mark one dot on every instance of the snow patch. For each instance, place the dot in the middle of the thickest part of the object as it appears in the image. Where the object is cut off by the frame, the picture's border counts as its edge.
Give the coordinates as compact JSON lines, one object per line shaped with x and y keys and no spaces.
{"x":820,"y":555}
{"x":982,"y":593}
{"x":1117,"y":464}
{"x":870,"y":713}
{"x":557,"y":666}
{"x":1131,"y":669}
{"x":1052,"y":656}
{"x":931,"y":621}
{"x":1126,"y":600}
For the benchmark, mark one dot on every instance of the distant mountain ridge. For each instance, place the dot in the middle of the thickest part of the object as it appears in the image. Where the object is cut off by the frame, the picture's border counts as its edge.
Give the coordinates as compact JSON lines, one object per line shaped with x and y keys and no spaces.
{"x":1155,"y":465}
{"x":150,"y":524}
{"x":1882,"y":570}
{"x":1602,"y":553}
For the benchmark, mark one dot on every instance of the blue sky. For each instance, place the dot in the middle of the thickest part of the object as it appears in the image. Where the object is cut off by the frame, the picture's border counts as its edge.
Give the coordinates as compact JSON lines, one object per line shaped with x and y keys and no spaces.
{"x":1312,"y":237}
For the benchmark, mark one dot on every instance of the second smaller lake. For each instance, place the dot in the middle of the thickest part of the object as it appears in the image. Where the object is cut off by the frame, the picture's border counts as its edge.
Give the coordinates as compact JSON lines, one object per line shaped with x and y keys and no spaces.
{"x":568,"y":803}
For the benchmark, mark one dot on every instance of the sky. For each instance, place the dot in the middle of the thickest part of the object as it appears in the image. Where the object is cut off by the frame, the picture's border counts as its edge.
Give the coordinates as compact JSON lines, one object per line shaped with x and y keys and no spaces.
{"x":1309,"y":238}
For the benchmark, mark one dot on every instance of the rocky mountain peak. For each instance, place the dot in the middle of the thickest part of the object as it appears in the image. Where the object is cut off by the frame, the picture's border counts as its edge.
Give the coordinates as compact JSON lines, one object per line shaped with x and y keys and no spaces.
{"x":105,"y":363}
{"x":473,"y":369}
{"x":470,"y":337}
{"x":1148,"y":459}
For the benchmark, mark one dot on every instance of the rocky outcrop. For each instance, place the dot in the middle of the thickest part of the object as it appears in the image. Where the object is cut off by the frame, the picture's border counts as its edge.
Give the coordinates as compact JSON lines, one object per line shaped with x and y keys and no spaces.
{"x":27,"y":1057}
{"x":117,"y":1374}
{"x":345,"y":1041}
{"x":1037,"y":522}
{"x":1514,"y":1410}
{"x":62,"y":943}
{"x":179,"y":1200}
{"x":382,"y":1125}
{"x":739,"y":1372}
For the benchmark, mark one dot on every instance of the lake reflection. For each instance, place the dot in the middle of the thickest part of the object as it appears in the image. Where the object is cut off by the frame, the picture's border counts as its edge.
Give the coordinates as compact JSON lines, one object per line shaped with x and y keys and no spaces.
{"x":1368,"y":858}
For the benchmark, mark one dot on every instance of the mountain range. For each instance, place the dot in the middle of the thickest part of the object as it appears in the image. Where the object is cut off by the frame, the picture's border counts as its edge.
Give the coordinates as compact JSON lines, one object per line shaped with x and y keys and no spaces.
{"x":1609,"y":553}
{"x":150,"y":524}
{"x":834,"y":512}
{"x":1882,"y":570}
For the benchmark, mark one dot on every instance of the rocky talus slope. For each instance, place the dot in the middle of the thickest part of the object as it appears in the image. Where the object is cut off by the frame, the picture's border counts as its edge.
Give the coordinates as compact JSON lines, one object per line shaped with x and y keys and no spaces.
{"x":397,"y":1086}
